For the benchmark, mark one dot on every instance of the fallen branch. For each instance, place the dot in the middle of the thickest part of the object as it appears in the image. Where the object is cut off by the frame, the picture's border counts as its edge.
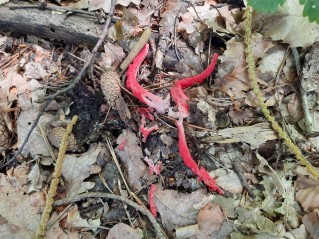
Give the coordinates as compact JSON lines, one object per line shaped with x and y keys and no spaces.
{"x":141,"y":209}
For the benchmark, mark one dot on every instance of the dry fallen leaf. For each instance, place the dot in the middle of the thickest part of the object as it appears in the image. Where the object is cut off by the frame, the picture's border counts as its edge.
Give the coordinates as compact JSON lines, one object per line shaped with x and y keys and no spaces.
{"x":35,"y":145}
{"x":121,"y":231}
{"x":75,"y":221}
{"x":177,"y":209}
{"x":17,"y":207}
{"x":112,"y":57}
{"x":76,"y":168}
{"x":312,"y":223}
{"x":106,"y":4}
{"x":232,"y":75}
{"x":227,"y":180}
{"x":209,"y":220}
{"x":289,"y":22}
{"x":307,"y":193}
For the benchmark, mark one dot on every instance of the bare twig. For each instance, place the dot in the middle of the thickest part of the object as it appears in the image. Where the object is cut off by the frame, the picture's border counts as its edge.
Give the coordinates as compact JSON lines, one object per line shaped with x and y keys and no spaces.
{"x":136,"y":49}
{"x":147,"y":213}
{"x":91,"y":59}
{"x":309,"y":124}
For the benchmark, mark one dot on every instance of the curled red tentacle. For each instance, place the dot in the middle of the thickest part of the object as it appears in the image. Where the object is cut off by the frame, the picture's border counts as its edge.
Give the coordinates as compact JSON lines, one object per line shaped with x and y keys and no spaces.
{"x":178,"y":95}
{"x":201,"y":173}
{"x":154,"y":101}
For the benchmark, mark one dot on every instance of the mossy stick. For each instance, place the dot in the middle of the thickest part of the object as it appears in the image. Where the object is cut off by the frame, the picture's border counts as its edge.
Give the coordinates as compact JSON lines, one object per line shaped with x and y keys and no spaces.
{"x":261,"y":100}
{"x":55,"y":181}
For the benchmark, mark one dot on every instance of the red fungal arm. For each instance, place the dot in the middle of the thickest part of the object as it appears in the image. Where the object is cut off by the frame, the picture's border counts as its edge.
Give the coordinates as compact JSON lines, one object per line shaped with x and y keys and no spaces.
{"x":180,"y":98}
{"x":201,"y":173}
{"x":190,"y":81}
{"x":138,"y":91}
{"x":146,"y":114}
{"x":178,"y":95}
{"x":151,"y":195}
{"x":146,"y":130}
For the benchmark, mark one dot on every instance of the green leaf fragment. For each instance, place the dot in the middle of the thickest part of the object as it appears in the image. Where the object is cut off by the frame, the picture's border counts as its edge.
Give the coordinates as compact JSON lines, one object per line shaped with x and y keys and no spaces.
{"x":266,"y":5}
{"x":311,"y":10}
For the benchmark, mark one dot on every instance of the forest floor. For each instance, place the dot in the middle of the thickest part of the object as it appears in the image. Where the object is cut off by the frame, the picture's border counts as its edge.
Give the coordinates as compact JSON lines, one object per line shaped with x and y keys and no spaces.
{"x":170,"y":141}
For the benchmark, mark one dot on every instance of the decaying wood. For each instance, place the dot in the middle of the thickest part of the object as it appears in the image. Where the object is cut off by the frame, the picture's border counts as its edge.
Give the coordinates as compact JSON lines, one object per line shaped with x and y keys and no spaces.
{"x":75,"y":28}
{"x":255,"y":135}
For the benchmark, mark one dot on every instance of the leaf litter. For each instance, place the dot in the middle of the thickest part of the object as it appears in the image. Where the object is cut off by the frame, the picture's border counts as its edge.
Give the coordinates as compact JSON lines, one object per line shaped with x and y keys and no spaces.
{"x":223,"y":126}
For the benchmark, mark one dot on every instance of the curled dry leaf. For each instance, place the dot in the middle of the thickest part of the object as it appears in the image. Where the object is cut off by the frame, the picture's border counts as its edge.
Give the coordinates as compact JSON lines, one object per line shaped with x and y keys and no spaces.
{"x":55,"y":137}
{"x":4,"y":134}
{"x":110,"y":87}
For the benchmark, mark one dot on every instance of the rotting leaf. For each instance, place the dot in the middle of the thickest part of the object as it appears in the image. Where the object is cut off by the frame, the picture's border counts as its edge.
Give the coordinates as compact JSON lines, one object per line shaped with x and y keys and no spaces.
{"x":75,"y":221}
{"x":131,"y":157}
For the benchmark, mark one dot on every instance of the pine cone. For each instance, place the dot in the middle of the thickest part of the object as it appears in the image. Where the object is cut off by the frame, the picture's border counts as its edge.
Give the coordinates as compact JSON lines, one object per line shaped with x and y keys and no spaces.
{"x":110,"y":86}
{"x":55,"y":137}
{"x":4,"y":134}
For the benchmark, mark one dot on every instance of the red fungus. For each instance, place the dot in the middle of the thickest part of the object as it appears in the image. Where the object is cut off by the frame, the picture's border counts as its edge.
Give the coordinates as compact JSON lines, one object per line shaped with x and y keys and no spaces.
{"x":191,"y":81}
{"x":180,"y":98}
{"x":154,"y":101}
{"x":202,"y":174}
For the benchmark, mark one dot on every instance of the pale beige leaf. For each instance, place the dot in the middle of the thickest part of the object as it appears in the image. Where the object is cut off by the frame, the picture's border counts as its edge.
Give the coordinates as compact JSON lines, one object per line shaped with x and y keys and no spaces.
{"x":177,"y":209}
{"x":227,"y":180}
{"x":35,"y":145}
{"x":76,"y":168}
{"x":209,"y":220}
{"x":291,"y":27}
{"x":75,"y":221}
{"x":121,"y":231}
{"x":15,"y":202}
{"x":308,"y":197}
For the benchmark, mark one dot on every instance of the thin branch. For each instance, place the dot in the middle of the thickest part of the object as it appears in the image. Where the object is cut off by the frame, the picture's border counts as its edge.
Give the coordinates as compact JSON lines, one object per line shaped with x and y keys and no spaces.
{"x":147,"y":213}
{"x":34,"y":124}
